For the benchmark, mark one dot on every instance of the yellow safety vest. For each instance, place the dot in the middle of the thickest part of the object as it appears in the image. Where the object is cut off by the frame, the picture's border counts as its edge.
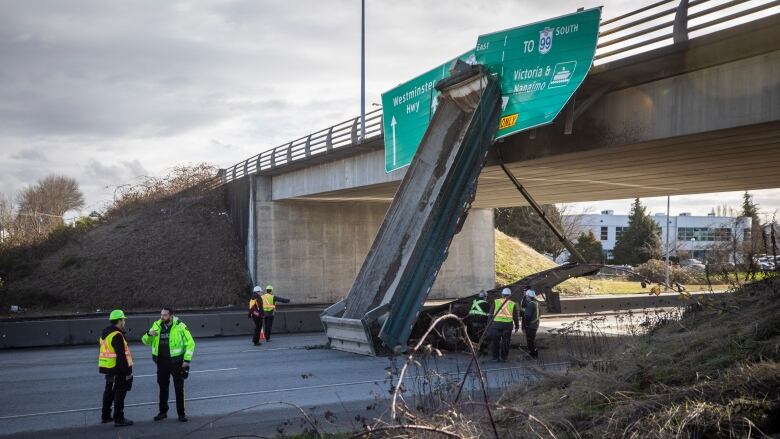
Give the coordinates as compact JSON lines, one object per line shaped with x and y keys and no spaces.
{"x":476,"y":309}
{"x":268,"y":302}
{"x":503,"y":313}
{"x":107,"y":357}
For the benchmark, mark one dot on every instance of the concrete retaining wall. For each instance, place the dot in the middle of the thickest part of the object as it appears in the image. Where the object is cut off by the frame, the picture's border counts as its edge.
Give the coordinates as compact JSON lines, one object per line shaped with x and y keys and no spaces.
{"x":41,"y":333}
{"x":622,"y":302}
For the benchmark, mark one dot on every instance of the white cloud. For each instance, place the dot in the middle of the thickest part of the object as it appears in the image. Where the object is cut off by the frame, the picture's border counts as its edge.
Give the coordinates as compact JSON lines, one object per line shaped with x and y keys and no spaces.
{"x":105,"y":91}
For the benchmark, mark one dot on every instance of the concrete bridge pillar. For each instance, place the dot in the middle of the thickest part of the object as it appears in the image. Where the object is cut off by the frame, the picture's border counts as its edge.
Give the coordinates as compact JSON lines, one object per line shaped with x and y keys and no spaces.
{"x":312,"y":251}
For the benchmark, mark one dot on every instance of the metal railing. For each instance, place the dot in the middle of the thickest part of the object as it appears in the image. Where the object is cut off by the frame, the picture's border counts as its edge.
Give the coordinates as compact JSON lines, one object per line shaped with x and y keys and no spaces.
{"x":656,"y":25}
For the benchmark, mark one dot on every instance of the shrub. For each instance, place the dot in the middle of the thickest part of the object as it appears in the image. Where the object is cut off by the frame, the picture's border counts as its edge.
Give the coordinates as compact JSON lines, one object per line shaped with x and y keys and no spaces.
{"x":654,"y":270}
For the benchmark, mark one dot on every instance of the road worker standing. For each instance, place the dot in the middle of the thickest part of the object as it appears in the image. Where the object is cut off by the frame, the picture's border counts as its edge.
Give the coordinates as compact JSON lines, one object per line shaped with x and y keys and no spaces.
{"x":116,"y":362}
{"x":477,"y":319}
{"x":269,"y":306}
{"x":531,"y":322}
{"x":505,"y":317}
{"x":172,"y":350}
{"x":257,"y":314}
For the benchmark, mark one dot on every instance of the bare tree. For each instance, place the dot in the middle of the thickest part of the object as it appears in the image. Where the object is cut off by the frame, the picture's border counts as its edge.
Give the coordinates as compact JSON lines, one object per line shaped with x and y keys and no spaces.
{"x":42,"y":205}
{"x":6,"y":219}
{"x":573,"y":224}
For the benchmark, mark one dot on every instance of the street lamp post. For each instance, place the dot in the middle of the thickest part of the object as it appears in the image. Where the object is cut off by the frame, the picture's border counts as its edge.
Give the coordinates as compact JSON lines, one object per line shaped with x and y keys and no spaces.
{"x":666,"y":266}
{"x":362,"y":70}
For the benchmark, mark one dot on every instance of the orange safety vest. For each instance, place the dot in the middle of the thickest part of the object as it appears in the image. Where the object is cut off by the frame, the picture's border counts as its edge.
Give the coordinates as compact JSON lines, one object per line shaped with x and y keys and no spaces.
{"x":503,"y":313}
{"x":268,"y":302}
{"x":107,"y":356}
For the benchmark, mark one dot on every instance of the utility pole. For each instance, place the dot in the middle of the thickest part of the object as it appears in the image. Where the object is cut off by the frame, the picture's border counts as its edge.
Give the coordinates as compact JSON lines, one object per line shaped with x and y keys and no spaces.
{"x":362,"y":70}
{"x":666,"y":266}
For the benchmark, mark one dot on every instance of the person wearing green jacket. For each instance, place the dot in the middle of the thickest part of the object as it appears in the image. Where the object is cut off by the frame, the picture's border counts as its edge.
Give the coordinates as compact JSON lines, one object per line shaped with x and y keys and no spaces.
{"x":172,"y":350}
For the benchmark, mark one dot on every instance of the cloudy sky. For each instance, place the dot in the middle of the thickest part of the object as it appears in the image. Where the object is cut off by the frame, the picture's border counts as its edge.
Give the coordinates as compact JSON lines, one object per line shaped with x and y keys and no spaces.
{"x":107,"y":92}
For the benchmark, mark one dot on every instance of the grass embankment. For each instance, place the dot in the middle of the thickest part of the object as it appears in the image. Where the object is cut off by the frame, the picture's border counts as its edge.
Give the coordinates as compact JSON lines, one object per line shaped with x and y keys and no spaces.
{"x":168,"y":242}
{"x":714,"y":373}
{"x":515,"y":260}
{"x":710,"y":370}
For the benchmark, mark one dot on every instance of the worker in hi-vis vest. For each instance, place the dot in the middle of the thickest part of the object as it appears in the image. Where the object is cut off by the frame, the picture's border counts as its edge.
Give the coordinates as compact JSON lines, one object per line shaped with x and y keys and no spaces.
{"x":506,"y":317}
{"x":531,"y":322}
{"x":477,"y":318}
{"x":256,"y":314}
{"x":116,"y":362}
{"x":269,"y":306}
{"x":172,"y":350}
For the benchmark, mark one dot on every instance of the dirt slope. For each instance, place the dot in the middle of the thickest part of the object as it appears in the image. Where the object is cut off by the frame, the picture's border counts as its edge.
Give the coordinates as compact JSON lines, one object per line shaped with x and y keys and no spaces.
{"x":178,"y":251}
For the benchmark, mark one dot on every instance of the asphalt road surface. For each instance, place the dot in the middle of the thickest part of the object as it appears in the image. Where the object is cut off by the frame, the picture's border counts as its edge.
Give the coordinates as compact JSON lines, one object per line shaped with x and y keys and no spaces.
{"x":234,"y":388}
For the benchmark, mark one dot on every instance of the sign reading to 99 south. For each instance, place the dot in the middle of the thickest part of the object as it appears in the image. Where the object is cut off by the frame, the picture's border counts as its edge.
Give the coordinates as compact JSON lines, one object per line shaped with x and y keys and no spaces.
{"x":540,"y":66}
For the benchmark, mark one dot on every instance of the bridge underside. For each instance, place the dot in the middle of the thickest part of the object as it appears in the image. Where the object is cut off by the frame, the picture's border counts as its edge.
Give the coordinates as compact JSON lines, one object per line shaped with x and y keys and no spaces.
{"x":718,"y":161}
{"x":698,"y":117}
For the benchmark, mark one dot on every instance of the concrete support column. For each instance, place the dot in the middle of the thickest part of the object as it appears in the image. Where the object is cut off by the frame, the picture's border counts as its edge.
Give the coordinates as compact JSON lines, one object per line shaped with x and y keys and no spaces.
{"x":312,"y":251}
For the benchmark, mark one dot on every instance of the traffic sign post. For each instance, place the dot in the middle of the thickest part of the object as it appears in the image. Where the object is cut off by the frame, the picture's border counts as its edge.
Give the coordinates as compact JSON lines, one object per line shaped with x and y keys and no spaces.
{"x":540,"y":66}
{"x":407,"y":110}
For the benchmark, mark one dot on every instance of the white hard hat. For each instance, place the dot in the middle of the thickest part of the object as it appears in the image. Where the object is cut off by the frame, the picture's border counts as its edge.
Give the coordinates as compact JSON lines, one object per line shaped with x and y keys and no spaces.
{"x":256,"y":289}
{"x":506,"y":292}
{"x":530,"y":293}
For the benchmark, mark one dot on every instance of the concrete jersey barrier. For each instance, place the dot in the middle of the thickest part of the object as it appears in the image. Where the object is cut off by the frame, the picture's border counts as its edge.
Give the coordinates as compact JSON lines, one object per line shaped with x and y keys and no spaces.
{"x":81,"y":331}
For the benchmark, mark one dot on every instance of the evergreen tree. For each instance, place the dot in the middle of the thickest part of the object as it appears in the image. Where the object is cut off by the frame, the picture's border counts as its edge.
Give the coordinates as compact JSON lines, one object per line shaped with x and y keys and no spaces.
{"x":749,"y":207}
{"x":590,"y":248}
{"x":641,"y":241}
{"x":750,"y":210}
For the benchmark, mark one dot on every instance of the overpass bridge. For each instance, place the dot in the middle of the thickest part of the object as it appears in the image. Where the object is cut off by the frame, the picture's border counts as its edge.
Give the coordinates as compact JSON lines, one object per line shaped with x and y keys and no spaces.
{"x":684,"y":98}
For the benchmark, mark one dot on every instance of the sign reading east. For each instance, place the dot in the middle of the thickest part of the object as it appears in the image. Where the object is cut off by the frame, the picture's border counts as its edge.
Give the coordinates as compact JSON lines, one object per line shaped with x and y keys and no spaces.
{"x":540,"y":66}
{"x":407,"y":110}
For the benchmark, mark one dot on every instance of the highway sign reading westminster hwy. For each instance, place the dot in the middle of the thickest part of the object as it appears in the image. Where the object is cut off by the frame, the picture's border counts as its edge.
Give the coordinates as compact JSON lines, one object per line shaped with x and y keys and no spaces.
{"x":540,"y":65}
{"x":407,"y":111}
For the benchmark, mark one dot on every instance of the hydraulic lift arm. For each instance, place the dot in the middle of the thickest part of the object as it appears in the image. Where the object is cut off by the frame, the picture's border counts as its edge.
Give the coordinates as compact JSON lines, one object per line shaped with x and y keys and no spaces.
{"x":535,"y":206}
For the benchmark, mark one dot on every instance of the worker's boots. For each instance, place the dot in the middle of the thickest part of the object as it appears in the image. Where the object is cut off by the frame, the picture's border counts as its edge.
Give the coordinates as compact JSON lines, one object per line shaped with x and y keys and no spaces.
{"x":123,"y":422}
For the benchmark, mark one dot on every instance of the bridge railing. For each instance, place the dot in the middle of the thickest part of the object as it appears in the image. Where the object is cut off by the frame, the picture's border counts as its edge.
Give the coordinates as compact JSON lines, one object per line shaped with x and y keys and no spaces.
{"x":672,"y":21}
{"x":659,"y":24}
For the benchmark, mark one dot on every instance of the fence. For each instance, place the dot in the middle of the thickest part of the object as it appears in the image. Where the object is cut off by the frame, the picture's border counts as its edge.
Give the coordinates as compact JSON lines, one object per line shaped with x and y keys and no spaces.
{"x":656,"y":25}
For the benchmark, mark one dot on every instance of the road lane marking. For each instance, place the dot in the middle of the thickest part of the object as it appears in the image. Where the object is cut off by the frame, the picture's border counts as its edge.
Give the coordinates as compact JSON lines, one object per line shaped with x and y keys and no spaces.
{"x":191,"y":372}
{"x":273,"y":349}
{"x":263,"y":392}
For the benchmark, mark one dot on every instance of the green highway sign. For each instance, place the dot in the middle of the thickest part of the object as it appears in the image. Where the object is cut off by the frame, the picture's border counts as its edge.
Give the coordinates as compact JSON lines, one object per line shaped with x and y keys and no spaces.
{"x":407,"y":110}
{"x":540,"y":66}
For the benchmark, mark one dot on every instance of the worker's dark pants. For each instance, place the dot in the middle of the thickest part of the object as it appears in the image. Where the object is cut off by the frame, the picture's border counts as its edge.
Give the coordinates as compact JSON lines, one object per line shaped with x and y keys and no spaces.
{"x":530,"y":339}
{"x":502,"y":336}
{"x":258,"y":327}
{"x":476,"y":327}
{"x":165,"y":369}
{"x":269,"y":324}
{"x":115,"y":392}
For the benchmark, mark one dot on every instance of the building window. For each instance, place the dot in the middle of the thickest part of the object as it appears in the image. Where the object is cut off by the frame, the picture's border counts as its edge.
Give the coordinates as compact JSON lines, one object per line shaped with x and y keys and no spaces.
{"x":619,"y":231}
{"x":604,"y":233}
{"x":704,"y":233}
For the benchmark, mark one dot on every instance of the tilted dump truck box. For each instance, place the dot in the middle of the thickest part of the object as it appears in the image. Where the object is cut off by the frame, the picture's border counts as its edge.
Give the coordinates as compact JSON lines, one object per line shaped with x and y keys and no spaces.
{"x":427,"y":211}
